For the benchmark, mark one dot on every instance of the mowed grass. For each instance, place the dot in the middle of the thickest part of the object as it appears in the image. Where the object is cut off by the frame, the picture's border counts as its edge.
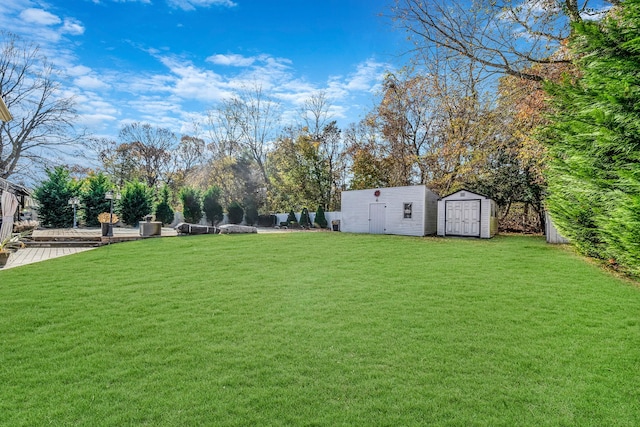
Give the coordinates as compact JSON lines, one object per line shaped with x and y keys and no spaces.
{"x":322,"y":329}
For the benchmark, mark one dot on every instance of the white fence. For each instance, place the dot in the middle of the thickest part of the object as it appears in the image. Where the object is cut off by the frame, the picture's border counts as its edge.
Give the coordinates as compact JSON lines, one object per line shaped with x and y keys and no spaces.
{"x":282,"y":217}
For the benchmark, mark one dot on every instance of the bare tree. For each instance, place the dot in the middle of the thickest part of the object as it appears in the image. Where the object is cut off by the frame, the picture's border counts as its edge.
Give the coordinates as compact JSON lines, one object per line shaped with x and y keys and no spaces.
{"x":245,"y":124}
{"x":315,"y":113}
{"x":505,"y":36}
{"x":152,"y":147}
{"x":223,"y":130}
{"x":42,"y":119}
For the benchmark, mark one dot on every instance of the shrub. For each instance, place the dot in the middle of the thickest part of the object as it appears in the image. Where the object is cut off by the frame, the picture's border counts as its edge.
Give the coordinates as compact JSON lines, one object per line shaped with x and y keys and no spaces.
{"x":267,"y":220}
{"x":53,"y":198}
{"x":191,"y":205}
{"x":235,"y":212}
{"x":292,"y":217}
{"x":136,"y":202}
{"x":305,"y":221}
{"x":92,"y":198}
{"x":211,"y":205}
{"x":251,"y":215}
{"x":164,"y":213}
{"x":320,"y":220}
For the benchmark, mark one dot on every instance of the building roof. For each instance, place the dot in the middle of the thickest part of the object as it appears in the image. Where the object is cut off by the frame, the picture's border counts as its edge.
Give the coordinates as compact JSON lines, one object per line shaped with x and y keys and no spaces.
{"x":465,"y":190}
{"x":5,"y":115}
{"x":14,"y":188}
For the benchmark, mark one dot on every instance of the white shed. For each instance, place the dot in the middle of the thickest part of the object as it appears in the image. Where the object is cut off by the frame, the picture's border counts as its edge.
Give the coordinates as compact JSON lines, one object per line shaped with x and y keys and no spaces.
{"x":467,"y":214}
{"x":408,"y":211}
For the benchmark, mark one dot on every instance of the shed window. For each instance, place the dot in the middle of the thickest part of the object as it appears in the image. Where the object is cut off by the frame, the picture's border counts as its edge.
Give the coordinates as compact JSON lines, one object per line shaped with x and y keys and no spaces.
{"x":408,"y":208}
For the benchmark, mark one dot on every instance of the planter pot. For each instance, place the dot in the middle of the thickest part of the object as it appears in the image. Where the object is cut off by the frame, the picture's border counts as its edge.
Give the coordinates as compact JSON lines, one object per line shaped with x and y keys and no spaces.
{"x":4,"y":257}
{"x":107,"y":229}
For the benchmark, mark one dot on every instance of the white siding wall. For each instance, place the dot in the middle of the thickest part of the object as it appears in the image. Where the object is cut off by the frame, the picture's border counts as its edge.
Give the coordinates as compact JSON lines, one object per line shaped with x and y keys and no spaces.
{"x":485,"y":218}
{"x":355,"y":210}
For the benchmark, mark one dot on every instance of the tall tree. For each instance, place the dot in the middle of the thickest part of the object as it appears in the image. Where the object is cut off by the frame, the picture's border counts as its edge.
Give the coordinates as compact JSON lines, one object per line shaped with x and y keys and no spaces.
{"x":507,"y":37}
{"x":245,"y":123}
{"x":367,"y":156}
{"x":300,"y":176}
{"x":594,"y":141}
{"x":43,"y":118}
{"x":152,"y":148}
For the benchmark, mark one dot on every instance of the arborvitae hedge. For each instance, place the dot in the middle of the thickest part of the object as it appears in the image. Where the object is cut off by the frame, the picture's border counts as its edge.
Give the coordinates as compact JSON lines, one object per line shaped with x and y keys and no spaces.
{"x":594,"y":140}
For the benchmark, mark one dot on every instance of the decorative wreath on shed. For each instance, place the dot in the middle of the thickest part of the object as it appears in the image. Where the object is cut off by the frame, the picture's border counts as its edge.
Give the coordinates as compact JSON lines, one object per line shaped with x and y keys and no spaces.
{"x":377,"y":193}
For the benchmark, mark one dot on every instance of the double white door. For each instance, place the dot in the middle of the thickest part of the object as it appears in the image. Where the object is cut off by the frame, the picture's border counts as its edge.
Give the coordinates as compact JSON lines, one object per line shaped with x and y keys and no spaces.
{"x":462,"y":218}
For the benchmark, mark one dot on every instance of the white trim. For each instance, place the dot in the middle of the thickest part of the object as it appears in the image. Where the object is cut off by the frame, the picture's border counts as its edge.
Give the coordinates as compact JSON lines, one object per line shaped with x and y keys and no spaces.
{"x":5,"y":115}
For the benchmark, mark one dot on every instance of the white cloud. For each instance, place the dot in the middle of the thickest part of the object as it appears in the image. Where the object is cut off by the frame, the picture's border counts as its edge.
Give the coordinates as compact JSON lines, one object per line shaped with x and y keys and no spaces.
{"x":191,"y":82}
{"x":367,"y":76}
{"x":90,"y":83}
{"x":72,"y":26}
{"x":233,"y":60}
{"x":189,"y":5}
{"x":78,"y":70}
{"x":39,"y":16}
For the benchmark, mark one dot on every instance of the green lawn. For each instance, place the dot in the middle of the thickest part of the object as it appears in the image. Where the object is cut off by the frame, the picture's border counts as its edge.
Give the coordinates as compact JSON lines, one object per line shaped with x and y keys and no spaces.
{"x":322,"y":329}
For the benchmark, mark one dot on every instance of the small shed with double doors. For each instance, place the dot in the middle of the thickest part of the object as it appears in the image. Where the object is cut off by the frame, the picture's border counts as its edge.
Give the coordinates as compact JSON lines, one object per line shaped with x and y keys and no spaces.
{"x":467,"y":214}
{"x":408,"y":211}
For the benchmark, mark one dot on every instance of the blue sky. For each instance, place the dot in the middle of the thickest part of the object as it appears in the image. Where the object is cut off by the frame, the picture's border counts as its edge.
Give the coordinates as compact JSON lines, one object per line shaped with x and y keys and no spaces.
{"x":167,"y":61}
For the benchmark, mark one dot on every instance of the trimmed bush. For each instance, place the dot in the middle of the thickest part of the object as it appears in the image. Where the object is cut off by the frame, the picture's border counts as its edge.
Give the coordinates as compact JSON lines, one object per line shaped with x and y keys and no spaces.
{"x":292,"y":217}
{"x":191,"y":205}
{"x":235,"y":213}
{"x":305,"y":221}
{"x":53,"y":198}
{"x":136,"y":202}
{"x":320,"y":220}
{"x":251,"y":215}
{"x":211,"y":205}
{"x":164,"y":213}
{"x":92,"y":198}
{"x":267,"y":220}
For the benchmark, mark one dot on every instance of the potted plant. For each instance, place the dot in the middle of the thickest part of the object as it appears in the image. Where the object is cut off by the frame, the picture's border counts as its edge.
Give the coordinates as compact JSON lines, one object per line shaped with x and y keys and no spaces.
{"x":106,"y":223}
{"x":9,"y":245}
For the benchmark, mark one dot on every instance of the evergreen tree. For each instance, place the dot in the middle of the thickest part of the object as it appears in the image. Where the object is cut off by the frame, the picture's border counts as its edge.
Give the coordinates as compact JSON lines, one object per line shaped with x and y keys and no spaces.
{"x":211,"y":205}
{"x":320,"y":220}
{"x":93,"y":199}
{"x":53,"y":198}
{"x":594,"y":139}
{"x":235,"y":212}
{"x":164,"y":212}
{"x":292,"y":217}
{"x":136,"y":202}
{"x":305,"y":221}
{"x":191,"y":205}
{"x":250,"y":214}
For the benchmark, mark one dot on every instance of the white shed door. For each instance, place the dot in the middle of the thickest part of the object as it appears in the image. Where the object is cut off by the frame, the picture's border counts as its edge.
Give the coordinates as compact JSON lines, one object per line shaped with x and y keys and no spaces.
{"x":463,"y":217}
{"x":376,"y":218}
